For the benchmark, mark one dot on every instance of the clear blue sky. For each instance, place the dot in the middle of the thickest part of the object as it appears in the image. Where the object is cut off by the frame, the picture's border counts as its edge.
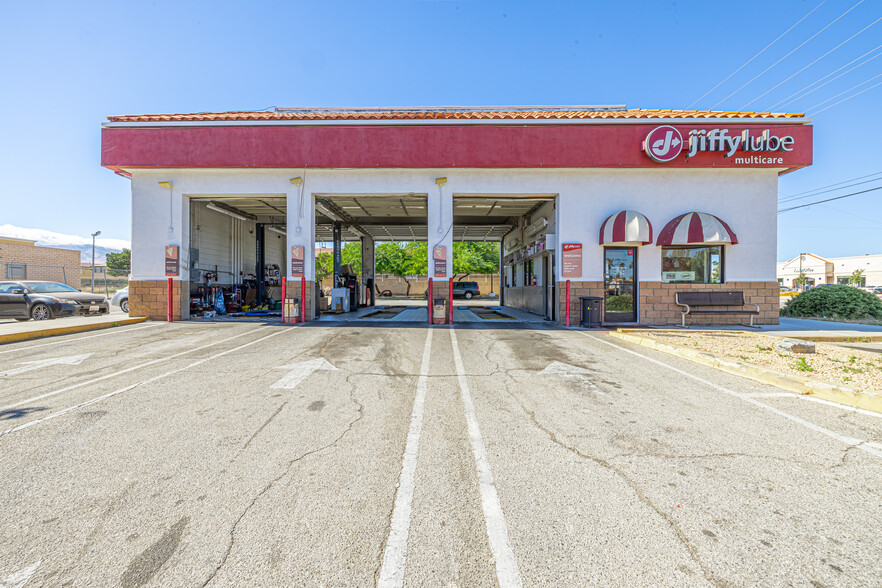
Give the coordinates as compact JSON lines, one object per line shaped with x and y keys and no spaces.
{"x":67,"y":65}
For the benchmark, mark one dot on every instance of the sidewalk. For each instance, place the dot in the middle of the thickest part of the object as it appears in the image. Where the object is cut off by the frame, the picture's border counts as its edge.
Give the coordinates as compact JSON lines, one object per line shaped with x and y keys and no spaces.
{"x":830,"y":331}
{"x":12,"y":331}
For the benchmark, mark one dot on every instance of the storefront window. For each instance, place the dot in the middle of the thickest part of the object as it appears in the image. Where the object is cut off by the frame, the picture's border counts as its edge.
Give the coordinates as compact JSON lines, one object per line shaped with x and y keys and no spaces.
{"x":695,"y":265}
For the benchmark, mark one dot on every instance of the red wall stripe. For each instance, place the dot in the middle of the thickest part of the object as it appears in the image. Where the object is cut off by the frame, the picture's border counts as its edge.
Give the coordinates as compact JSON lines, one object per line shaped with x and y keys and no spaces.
{"x":419,"y":146}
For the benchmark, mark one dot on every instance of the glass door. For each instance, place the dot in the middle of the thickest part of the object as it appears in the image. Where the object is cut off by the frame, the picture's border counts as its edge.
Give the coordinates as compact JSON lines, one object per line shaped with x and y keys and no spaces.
{"x":619,"y":284}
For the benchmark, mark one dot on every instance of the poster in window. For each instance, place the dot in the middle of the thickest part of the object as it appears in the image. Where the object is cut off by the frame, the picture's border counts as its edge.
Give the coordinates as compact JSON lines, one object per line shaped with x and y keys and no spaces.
{"x":572,"y":260}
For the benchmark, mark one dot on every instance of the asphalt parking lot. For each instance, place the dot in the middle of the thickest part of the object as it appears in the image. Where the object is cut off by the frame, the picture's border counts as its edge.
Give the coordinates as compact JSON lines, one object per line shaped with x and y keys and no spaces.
{"x":224,"y":454}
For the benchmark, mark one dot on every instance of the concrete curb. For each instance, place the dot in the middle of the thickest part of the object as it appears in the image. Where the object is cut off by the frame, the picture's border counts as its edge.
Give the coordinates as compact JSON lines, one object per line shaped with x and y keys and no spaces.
{"x":26,"y":335}
{"x":869,"y":338}
{"x":792,"y":382}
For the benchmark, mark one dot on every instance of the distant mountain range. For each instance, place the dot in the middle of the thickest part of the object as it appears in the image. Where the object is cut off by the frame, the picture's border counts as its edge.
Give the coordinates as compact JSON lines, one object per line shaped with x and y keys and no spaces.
{"x":62,"y":241}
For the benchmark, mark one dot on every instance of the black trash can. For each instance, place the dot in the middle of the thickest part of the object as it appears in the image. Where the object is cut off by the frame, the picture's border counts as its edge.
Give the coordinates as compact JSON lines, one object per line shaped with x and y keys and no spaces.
{"x":592,"y":311}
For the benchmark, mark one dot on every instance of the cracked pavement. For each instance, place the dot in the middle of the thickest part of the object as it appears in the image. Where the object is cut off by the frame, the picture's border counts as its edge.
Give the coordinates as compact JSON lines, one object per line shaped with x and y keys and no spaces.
{"x":192,"y":470}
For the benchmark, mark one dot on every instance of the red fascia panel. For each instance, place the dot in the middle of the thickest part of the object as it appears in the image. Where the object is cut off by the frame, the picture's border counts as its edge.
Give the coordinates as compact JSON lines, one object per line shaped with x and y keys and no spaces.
{"x":422,"y":146}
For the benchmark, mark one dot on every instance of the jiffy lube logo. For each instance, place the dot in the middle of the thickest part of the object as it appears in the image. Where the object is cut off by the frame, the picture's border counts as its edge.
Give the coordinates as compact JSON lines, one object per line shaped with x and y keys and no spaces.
{"x":663,"y":144}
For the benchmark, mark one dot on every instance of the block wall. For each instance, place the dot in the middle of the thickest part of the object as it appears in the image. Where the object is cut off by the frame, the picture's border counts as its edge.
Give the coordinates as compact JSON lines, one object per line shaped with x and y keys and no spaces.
{"x":657,"y":305}
{"x":150,"y":299}
{"x":44,"y":263}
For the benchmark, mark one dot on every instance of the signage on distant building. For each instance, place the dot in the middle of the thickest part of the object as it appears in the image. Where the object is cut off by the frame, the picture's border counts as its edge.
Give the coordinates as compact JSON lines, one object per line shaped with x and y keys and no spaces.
{"x":571,"y":260}
{"x":172,"y":260}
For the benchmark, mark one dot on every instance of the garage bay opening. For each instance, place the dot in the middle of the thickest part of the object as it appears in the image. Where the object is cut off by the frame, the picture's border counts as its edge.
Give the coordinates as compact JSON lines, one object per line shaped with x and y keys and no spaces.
{"x":503,"y":257}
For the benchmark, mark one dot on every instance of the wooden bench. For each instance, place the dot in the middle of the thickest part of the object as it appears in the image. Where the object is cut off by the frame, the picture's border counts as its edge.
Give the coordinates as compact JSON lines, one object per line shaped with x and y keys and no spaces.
{"x":695,"y":298}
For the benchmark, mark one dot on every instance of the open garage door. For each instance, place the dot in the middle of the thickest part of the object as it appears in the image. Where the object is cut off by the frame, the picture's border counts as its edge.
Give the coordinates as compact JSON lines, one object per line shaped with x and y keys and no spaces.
{"x":353,"y":233}
{"x":237,"y":254}
{"x":516,"y":228}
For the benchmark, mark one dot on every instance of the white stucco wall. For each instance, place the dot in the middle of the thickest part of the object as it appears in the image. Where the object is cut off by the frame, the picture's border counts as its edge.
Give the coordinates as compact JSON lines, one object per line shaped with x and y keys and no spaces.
{"x":746,"y":199}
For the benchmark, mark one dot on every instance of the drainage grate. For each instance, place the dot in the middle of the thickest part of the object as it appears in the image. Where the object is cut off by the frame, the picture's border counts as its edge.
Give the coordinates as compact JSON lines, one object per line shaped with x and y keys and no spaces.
{"x":491,"y":314}
{"x":383,"y":313}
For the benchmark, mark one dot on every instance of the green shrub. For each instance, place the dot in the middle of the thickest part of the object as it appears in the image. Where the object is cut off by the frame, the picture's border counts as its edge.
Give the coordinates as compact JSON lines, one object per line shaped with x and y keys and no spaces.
{"x":844,"y":302}
{"x":621,"y":303}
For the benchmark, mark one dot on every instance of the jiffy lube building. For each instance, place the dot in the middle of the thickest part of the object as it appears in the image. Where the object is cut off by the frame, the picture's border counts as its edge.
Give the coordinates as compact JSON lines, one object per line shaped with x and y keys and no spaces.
{"x":651,"y":216}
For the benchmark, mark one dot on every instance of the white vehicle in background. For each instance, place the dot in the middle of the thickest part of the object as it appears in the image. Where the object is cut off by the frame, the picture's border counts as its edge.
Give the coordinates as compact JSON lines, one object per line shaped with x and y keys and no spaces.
{"x":121,"y":299}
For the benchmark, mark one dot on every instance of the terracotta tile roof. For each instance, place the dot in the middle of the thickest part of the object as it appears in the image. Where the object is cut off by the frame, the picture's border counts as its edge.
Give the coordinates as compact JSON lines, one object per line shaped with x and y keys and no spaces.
{"x":446,"y":114}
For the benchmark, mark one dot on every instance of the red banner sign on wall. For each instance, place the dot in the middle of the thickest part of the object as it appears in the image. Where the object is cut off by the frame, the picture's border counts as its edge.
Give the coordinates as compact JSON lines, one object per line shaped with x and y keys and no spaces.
{"x":572,"y":260}
{"x":440,"y":256}
{"x":172,"y":260}
{"x":297,"y":264}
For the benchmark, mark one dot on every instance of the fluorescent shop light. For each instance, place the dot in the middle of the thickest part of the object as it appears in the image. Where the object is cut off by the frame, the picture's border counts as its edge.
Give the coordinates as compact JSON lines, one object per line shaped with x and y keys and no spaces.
{"x":216,"y":208}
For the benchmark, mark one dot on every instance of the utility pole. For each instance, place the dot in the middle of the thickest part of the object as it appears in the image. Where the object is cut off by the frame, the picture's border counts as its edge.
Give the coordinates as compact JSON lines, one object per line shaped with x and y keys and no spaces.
{"x":95,"y":234}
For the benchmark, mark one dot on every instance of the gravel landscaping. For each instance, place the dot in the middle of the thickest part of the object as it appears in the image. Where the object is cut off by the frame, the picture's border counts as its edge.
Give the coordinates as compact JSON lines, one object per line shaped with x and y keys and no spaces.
{"x":858,"y":369}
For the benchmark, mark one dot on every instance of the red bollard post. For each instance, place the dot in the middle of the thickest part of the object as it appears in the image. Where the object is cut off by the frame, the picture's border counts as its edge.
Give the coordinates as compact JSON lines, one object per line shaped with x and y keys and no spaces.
{"x":284,"y":299}
{"x":302,"y":299}
{"x":450,"y":302}
{"x":171,"y":299}
{"x":429,"y":301}
{"x":568,"y":303}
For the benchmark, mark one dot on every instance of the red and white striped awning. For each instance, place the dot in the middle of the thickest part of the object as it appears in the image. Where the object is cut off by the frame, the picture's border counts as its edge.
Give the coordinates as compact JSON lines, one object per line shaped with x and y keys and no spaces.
{"x":696,"y":228}
{"x":626,"y":227}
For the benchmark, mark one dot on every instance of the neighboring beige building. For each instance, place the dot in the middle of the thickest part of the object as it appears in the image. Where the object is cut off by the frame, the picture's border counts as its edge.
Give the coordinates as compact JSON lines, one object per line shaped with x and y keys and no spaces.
{"x":22,"y":259}
{"x":833,"y":270}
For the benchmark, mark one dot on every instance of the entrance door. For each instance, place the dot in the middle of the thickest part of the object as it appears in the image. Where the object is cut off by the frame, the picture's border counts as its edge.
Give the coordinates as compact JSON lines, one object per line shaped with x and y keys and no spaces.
{"x":619,"y":284}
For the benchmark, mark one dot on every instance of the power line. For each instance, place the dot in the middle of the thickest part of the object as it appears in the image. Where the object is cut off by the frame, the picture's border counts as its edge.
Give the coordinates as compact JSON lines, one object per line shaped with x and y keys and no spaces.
{"x":829,"y":200}
{"x":818,"y":193}
{"x":848,"y":98}
{"x":792,"y":196}
{"x":787,"y":79}
{"x":788,"y":54}
{"x":788,"y":100}
{"x":757,"y":55}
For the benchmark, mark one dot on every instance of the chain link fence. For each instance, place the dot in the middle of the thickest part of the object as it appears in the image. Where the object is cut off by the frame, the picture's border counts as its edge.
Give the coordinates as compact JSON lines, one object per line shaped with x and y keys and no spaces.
{"x":102,"y":280}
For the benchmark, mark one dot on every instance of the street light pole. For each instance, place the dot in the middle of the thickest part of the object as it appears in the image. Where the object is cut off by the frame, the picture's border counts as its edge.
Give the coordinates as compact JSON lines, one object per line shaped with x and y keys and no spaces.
{"x":95,"y":234}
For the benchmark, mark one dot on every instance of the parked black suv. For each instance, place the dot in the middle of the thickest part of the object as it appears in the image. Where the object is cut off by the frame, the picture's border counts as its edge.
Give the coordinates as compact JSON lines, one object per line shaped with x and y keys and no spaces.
{"x":40,"y":301}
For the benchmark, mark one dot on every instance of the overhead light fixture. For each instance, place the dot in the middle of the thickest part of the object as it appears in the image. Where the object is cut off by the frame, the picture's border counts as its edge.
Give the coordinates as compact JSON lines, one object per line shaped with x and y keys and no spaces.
{"x":166,"y":185}
{"x":216,"y":208}
{"x":279,"y":230}
{"x":440,"y":183}
{"x":297,"y":181}
{"x":326,"y":211}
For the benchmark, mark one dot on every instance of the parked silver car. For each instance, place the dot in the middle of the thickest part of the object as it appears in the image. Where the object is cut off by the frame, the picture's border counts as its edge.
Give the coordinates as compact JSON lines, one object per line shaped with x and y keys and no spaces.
{"x":121,"y":298}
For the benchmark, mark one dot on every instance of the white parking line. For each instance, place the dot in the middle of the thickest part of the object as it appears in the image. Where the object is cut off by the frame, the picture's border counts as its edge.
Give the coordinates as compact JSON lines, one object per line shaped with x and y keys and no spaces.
{"x":395,"y":553}
{"x":851,"y":441}
{"x":769,"y":394}
{"x":842,"y":406}
{"x":497,"y":532}
{"x":125,"y":371}
{"x":113,"y":331}
{"x":135,"y":385}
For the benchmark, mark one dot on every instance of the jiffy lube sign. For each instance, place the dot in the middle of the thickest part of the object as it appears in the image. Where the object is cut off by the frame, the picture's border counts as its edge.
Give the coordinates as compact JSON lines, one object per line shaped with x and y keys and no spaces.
{"x":665,"y":143}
